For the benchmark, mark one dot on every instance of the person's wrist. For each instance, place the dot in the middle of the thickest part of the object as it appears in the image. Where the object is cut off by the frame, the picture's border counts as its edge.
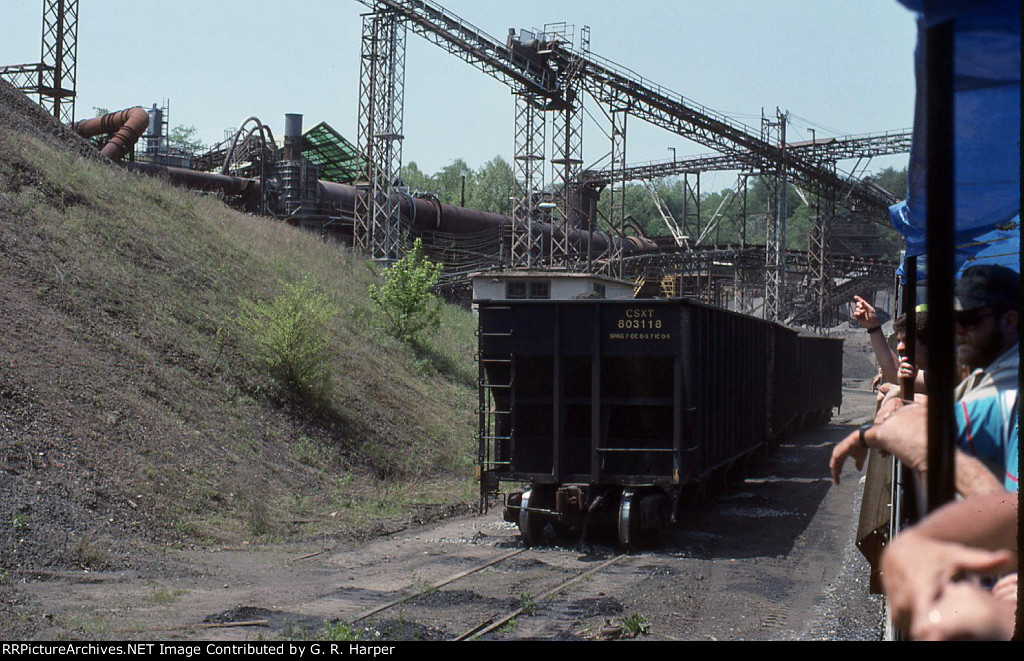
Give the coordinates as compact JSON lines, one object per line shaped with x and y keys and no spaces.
{"x":861,"y":441}
{"x":875,"y":329}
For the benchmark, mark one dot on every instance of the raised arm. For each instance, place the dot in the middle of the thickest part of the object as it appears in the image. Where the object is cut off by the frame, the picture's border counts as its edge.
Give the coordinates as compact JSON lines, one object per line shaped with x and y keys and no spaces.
{"x":867,"y":317}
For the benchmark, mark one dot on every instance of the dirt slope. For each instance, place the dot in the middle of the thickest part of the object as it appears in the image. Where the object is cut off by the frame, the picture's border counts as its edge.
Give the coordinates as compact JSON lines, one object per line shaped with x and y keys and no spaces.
{"x":131,"y":415}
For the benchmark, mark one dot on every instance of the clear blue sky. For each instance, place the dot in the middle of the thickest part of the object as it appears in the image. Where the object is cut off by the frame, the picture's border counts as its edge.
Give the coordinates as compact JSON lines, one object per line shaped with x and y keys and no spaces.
{"x":840,"y":66}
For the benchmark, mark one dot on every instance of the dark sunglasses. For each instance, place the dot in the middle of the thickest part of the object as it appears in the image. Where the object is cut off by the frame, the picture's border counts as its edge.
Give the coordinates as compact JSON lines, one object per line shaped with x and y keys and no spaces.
{"x":969,"y":319}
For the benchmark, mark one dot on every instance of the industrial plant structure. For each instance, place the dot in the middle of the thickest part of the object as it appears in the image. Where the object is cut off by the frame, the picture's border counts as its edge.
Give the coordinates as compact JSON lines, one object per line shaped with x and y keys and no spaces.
{"x":354,"y":193}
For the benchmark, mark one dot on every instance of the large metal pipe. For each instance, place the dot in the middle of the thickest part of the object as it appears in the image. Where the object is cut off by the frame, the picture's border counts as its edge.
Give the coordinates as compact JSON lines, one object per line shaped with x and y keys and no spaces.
{"x":422,"y":214}
{"x":127,"y":126}
{"x":207,"y":181}
{"x":431,"y":215}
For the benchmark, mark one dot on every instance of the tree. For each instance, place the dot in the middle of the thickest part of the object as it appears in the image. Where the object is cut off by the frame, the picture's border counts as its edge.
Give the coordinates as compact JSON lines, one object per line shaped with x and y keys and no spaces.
{"x":404,"y":303}
{"x":892,"y":180}
{"x":451,"y":179}
{"x":290,"y":335}
{"x":495,"y":184}
{"x":184,"y":137}
{"x":415,"y":180}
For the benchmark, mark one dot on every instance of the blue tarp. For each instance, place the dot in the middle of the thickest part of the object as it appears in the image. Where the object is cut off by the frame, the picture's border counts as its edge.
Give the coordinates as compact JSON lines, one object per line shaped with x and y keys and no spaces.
{"x":998,"y":246}
{"x":986,"y":129}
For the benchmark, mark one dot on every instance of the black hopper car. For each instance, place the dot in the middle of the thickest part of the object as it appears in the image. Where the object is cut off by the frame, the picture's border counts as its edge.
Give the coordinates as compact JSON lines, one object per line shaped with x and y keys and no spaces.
{"x":611,"y":409}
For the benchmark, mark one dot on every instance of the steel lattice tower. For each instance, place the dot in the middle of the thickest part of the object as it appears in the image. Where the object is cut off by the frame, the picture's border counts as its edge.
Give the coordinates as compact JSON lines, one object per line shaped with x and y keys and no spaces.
{"x":529,"y":173}
{"x":377,"y":229}
{"x":53,"y":78}
{"x":567,"y":152}
{"x":775,"y":226}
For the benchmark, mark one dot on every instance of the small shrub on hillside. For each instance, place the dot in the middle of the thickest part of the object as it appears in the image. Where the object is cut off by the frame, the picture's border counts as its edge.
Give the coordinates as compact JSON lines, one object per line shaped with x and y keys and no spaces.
{"x":404,"y":304}
{"x":291,"y":336}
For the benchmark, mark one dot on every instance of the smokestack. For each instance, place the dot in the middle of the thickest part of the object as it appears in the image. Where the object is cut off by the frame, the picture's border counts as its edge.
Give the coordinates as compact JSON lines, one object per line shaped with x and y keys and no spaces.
{"x":292,"y":137}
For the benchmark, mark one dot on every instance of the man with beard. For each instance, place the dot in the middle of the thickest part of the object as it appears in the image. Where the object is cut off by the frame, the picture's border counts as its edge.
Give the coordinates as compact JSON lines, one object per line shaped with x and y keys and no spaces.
{"x":986,"y":327}
{"x":987,"y":301}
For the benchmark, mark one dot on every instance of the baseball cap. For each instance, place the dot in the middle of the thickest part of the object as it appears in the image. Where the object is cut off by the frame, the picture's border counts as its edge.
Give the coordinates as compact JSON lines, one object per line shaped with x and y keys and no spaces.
{"x":987,"y":285}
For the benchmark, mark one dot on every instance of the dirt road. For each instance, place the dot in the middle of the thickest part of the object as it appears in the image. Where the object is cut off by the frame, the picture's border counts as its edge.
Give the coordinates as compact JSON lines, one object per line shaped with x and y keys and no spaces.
{"x":770,"y":557}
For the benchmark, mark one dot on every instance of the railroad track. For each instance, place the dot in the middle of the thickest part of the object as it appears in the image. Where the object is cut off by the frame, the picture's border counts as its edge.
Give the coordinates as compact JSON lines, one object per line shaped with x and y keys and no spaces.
{"x":498,"y":591}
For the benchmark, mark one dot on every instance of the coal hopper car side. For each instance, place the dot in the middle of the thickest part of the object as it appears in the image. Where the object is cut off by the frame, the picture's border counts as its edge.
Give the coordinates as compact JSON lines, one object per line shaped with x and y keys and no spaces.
{"x":609,"y":409}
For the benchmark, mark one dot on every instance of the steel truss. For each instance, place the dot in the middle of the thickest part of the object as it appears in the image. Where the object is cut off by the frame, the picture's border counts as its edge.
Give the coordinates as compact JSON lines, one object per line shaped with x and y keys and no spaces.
{"x":377,"y":229}
{"x":527,"y":248}
{"x":823,"y":211}
{"x":823,"y":152}
{"x":547,"y":75}
{"x":567,"y":151}
{"x":775,"y":229}
{"x":53,"y":78}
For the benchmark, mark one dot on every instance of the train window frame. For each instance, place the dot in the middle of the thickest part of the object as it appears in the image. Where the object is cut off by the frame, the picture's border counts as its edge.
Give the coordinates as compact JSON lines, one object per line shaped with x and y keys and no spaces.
{"x":515,"y":290}
{"x":527,"y":289}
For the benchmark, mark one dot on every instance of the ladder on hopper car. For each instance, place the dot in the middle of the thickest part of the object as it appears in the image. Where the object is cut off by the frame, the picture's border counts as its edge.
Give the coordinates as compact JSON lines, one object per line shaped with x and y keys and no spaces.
{"x":492,"y":419}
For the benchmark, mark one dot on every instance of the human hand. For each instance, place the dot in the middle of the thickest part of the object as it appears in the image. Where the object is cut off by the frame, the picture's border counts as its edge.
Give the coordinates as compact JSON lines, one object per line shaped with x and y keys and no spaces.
{"x":888,"y":403}
{"x":902,"y":432}
{"x":1006,"y":588}
{"x":884,"y":388}
{"x":906,"y":370}
{"x":864,"y":313}
{"x":965,"y":611}
{"x":917,"y":571}
{"x":848,"y":447}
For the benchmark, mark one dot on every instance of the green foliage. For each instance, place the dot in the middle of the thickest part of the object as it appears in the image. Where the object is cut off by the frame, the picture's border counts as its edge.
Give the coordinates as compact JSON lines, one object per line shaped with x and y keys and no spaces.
{"x":495,"y":184}
{"x":634,"y":625}
{"x":185,"y":138}
{"x":338,"y":632}
{"x":892,"y":180}
{"x":487,"y":188}
{"x":453,"y":179}
{"x":291,"y":337}
{"x":404,"y":303}
{"x":527,"y":604}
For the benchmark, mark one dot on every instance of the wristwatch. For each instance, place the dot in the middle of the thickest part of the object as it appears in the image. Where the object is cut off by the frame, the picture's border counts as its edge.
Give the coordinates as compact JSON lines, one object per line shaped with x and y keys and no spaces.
{"x":860,"y":433}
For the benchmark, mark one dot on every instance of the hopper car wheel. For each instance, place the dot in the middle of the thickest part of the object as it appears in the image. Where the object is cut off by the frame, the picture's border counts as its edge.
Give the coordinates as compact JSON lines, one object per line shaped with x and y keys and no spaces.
{"x":531,"y":522}
{"x":629,"y":521}
{"x":643,"y":515}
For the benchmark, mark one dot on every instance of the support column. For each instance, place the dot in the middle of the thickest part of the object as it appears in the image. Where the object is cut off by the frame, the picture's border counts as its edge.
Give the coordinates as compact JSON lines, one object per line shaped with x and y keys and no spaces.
{"x":775,"y":230}
{"x":527,"y":251}
{"x":377,"y":229}
{"x":616,"y":192}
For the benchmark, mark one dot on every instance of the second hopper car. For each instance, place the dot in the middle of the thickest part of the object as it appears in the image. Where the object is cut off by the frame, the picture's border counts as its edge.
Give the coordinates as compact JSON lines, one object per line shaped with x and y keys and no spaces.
{"x":612,"y":408}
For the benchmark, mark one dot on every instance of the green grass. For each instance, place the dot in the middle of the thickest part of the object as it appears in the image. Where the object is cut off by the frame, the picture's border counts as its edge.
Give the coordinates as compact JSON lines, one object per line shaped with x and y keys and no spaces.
{"x":338,"y":632}
{"x":144,"y":282}
{"x":527,"y":604}
{"x":634,"y":625}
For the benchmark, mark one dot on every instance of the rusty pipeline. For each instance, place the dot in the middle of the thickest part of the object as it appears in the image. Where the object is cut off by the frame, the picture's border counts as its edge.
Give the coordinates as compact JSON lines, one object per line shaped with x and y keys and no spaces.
{"x":193,"y":179}
{"x":124,"y":127}
{"x":428,"y":213}
{"x":421,"y":213}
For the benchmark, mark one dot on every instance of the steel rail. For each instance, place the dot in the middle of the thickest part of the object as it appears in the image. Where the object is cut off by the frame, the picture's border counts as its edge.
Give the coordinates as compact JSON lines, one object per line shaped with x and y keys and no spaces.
{"x":491,"y":624}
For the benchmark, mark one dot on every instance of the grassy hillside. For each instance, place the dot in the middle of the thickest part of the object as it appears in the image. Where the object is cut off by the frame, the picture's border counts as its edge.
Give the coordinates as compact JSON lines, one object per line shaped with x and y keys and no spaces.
{"x":131,"y":407}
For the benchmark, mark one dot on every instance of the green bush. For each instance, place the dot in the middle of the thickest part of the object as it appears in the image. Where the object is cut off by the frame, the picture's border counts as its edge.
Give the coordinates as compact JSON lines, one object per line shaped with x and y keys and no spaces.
{"x":291,"y":337}
{"x":404,"y":304}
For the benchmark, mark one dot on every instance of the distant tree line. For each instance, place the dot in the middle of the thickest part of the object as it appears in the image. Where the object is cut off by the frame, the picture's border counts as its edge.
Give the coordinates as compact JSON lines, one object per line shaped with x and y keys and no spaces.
{"x":491,"y":187}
